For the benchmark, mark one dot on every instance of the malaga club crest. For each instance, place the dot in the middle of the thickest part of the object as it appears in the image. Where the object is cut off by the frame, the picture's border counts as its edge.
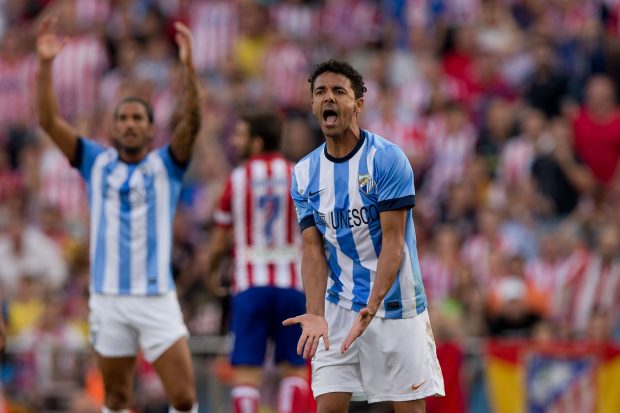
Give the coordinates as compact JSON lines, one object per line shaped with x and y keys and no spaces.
{"x":366,"y":183}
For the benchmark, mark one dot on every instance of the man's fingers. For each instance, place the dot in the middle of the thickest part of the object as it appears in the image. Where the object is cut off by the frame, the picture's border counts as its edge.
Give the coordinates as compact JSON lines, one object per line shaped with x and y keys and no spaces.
{"x":183,"y":29}
{"x":309,"y":346}
{"x":326,"y":341}
{"x":291,"y":321}
{"x":301,"y":343}
{"x":315,"y":346}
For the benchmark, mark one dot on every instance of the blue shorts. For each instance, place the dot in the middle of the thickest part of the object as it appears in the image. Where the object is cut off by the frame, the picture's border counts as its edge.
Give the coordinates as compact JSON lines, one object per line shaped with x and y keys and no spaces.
{"x":257,"y":316}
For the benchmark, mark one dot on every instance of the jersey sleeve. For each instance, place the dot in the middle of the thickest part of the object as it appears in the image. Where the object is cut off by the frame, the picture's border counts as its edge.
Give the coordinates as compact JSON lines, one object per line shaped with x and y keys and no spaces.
{"x":175,"y":169}
{"x":86,"y":152}
{"x":305,"y":216}
{"x":223,"y":213}
{"x":394,"y":179}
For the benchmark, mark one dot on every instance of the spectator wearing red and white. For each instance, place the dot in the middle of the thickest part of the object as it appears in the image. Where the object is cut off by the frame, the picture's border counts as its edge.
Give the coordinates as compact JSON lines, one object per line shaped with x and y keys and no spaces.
{"x":296,"y":20}
{"x":215,"y":28}
{"x":597,"y":130}
{"x":441,"y":265}
{"x":518,"y":153}
{"x":285,"y":67}
{"x":90,"y":14}
{"x":550,"y":272}
{"x":16,"y":75}
{"x":60,"y":185}
{"x":430,"y":89}
{"x":451,"y":140}
{"x":400,"y":128}
{"x":597,"y":286}
{"x":349,"y":24}
{"x":483,"y":251}
{"x":78,"y":72}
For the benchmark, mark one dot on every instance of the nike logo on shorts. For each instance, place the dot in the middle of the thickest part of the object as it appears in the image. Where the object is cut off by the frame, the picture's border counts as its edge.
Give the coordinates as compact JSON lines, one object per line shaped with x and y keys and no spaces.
{"x":416,"y":387}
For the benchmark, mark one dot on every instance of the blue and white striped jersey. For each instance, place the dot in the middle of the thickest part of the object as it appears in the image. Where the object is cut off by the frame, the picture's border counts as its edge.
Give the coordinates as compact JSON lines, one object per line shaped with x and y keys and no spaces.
{"x":131,"y":214}
{"x":343,"y":197}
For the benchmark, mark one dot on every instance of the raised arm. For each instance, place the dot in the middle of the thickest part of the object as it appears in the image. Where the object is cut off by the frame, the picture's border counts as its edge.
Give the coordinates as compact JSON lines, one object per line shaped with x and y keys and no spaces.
{"x":48,"y":47}
{"x":314,"y":275}
{"x":189,"y":125}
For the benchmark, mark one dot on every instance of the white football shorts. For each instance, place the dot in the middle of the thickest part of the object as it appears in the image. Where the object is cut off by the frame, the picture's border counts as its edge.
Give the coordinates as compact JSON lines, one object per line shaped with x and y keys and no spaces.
{"x":394,"y":360}
{"x":120,"y":325}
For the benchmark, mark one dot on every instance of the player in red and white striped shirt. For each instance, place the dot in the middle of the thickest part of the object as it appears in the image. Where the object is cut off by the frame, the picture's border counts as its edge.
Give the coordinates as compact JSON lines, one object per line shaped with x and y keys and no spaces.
{"x":257,"y":211}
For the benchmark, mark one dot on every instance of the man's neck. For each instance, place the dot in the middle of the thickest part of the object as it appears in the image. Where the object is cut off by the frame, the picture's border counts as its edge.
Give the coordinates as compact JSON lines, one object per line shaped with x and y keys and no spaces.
{"x":132,"y":156}
{"x":342,"y":145}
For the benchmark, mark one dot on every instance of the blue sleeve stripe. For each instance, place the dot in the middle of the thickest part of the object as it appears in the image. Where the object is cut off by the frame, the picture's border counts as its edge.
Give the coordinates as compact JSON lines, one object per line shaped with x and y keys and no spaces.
{"x":76,"y":162}
{"x":397,"y":203}
{"x":306,"y":222}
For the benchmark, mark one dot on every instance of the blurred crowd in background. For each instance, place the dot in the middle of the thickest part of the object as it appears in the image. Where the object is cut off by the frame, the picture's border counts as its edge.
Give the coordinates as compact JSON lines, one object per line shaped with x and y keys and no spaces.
{"x":505,"y":108}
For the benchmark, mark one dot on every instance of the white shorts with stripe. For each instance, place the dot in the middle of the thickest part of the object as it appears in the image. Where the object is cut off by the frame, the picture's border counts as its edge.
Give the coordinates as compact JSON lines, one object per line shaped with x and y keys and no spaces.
{"x":394,"y":360}
{"x":120,"y":325}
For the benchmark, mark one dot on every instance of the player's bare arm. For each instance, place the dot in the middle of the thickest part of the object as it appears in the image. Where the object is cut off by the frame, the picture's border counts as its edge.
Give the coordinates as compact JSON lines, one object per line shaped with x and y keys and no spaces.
{"x":393,"y":239}
{"x":314,"y":275}
{"x":187,"y":130}
{"x":49,"y":44}
{"x":219,"y":245}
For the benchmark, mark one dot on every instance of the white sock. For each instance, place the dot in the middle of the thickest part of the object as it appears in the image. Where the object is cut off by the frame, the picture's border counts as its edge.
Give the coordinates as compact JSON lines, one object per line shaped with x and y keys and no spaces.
{"x":106,"y":410}
{"x":194,"y":409}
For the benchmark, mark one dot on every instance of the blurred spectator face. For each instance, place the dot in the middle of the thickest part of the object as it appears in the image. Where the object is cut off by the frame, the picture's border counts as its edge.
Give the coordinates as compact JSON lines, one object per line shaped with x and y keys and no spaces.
{"x":132,"y":127}
{"x":488,"y":222}
{"x":600,"y":95}
{"x":543,"y":56}
{"x":599,"y":327}
{"x":499,"y":118}
{"x":533,"y":123}
{"x":241,"y":141}
{"x":297,"y":139}
{"x":550,"y":246}
{"x":446,"y":240}
{"x":334,"y":103}
{"x":608,"y":242}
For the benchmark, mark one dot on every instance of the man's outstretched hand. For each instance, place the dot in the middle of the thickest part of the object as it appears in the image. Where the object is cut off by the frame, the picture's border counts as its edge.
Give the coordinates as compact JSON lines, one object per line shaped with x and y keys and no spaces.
{"x":313,"y":327}
{"x":357,"y":329}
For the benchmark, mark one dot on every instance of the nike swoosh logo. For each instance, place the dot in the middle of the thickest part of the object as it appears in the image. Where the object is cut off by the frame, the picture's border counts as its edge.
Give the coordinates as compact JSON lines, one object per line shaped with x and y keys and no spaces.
{"x":414,"y":387}
{"x":316,"y":192}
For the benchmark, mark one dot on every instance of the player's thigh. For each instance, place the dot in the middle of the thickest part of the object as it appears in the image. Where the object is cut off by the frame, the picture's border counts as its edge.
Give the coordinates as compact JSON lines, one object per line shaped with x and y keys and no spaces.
{"x":174,"y":368}
{"x":118,"y":377}
{"x":289,"y":303}
{"x":250,"y":324}
{"x":333,"y":403}
{"x":411,"y":406}
{"x":332,"y":371}
{"x":111,"y":332}
{"x":158,"y":320}
{"x":398,"y":360}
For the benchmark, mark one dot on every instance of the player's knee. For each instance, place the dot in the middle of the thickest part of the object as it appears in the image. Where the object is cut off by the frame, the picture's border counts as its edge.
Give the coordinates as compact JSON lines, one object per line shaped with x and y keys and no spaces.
{"x":183,"y":400}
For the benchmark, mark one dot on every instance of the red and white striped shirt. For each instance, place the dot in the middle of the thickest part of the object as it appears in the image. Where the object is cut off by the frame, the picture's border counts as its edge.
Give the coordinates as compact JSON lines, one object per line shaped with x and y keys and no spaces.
{"x":257,"y":205}
{"x":61,"y":185}
{"x":285,"y":67}
{"x":597,"y":286}
{"x":438,"y":278}
{"x":16,"y":98}
{"x":78,"y":70}
{"x":215,"y":28}
{"x":296,"y":21}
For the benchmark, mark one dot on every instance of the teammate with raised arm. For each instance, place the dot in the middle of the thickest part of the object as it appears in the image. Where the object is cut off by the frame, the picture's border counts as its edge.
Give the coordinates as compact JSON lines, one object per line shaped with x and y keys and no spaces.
{"x":360,"y":267}
{"x":132,"y":193}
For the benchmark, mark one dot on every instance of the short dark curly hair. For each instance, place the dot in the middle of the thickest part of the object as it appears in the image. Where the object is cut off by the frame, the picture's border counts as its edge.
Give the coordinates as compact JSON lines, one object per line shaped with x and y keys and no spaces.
{"x":342,"y":68}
